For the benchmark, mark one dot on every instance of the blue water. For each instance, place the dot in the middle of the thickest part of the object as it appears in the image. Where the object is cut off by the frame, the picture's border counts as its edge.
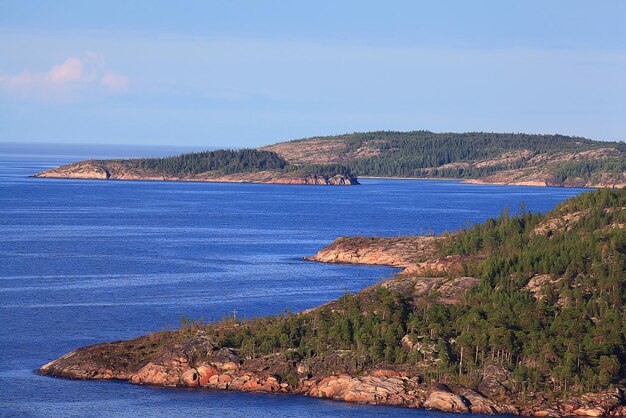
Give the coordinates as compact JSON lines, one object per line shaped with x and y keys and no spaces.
{"x":88,"y":261}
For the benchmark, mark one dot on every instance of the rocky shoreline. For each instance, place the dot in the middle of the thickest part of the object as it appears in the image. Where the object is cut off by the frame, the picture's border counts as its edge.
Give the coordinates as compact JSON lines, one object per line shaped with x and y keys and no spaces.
{"x":506,"y":181}
{"x":124,"y":170}
{"x":228,"y":372}
{"x":166,"y":359}
{"x":380,"y":387}
{"x":503,"y":181}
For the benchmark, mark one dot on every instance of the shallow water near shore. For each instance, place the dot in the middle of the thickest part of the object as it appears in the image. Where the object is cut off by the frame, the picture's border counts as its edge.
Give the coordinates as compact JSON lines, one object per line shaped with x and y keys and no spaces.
{"x":89,"y":261}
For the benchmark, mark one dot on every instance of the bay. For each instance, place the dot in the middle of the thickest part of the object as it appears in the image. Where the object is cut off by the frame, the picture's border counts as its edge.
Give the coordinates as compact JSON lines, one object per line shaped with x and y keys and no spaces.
{"x":84,"y":261}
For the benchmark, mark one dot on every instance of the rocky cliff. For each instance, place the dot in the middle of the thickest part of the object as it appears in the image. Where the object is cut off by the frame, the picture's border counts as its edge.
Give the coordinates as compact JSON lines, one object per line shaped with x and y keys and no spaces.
{"x":424,"y":272}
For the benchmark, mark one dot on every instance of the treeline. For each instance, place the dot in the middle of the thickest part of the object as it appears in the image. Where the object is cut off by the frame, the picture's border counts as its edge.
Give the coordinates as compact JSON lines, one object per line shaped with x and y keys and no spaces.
{"x":223,"y":161}
{"x":324,"y":170}
{"x":571,"y":338}
{"x":235,"y":161}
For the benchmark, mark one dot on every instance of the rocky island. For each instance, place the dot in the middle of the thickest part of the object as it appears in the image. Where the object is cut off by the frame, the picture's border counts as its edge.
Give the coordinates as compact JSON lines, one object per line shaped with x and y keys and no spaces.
{"x":474,"y":157}
{"x":522,"y":314}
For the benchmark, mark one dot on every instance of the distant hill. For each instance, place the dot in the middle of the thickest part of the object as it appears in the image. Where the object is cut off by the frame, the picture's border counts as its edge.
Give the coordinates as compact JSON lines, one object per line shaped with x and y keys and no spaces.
{"x":553,"y":160}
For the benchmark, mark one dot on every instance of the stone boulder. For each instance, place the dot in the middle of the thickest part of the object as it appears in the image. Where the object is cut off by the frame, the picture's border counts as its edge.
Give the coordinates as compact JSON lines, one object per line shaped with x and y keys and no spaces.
{"x":206,"y":372}
{"x":155,"y":374}
{"x":441,"y":398}
{"x":191,"y":378}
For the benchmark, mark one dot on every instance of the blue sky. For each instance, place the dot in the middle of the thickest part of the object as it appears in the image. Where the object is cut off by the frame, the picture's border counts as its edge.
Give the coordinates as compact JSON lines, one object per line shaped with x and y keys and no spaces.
{"x":247,"y":73}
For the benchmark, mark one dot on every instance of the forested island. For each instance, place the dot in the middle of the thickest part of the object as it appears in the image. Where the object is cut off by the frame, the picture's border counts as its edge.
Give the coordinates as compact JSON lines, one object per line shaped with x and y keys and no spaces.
{"x":522,"y":314}
{"x":244,"y":165}
{"x":476,"y":157}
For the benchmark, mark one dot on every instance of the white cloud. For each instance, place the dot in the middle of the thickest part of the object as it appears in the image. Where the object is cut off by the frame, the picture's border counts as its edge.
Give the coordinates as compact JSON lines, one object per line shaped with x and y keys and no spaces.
{"x":67,"y":81}
{"x":115,"y":82}
{"x":70,"y":70}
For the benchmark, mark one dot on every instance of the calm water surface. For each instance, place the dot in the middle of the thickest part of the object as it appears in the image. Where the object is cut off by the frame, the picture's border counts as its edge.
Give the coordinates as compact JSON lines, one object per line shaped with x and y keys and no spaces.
{"x":83,"y":262}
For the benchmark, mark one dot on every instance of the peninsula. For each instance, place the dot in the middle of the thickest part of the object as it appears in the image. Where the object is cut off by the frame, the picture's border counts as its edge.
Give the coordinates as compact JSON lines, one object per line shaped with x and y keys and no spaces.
{"x":522,"y":314}
{"x":226,"y":166}
{"x":475,"y":157}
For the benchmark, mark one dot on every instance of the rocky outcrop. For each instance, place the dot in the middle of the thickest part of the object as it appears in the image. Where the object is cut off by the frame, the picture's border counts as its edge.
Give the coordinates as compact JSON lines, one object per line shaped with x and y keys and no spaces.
{"x":539,"y":284}
{"x":539,"y":169}
{"x":561,"y":223}
{"x":440,"y":397}
{"x":402,"y":252}
{"x":595,"y":404}
{"x":548,"y":178}
{"x":370,"y":389}
{"x":128,"y":170}
{"x":423,"y":272}
{"x":462,"y":399}
{"x":321,"y":151}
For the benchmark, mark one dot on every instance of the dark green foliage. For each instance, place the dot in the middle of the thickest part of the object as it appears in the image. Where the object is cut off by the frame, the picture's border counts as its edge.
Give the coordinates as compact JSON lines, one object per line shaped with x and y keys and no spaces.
{"x":572,"y":338}
{"x":586,"y":169}
{"x":235,"y":161}
{"x":325,"y":170}
{"x":223,"y":161}
{"x":575,"y":334}
{"x":372,"y":338}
